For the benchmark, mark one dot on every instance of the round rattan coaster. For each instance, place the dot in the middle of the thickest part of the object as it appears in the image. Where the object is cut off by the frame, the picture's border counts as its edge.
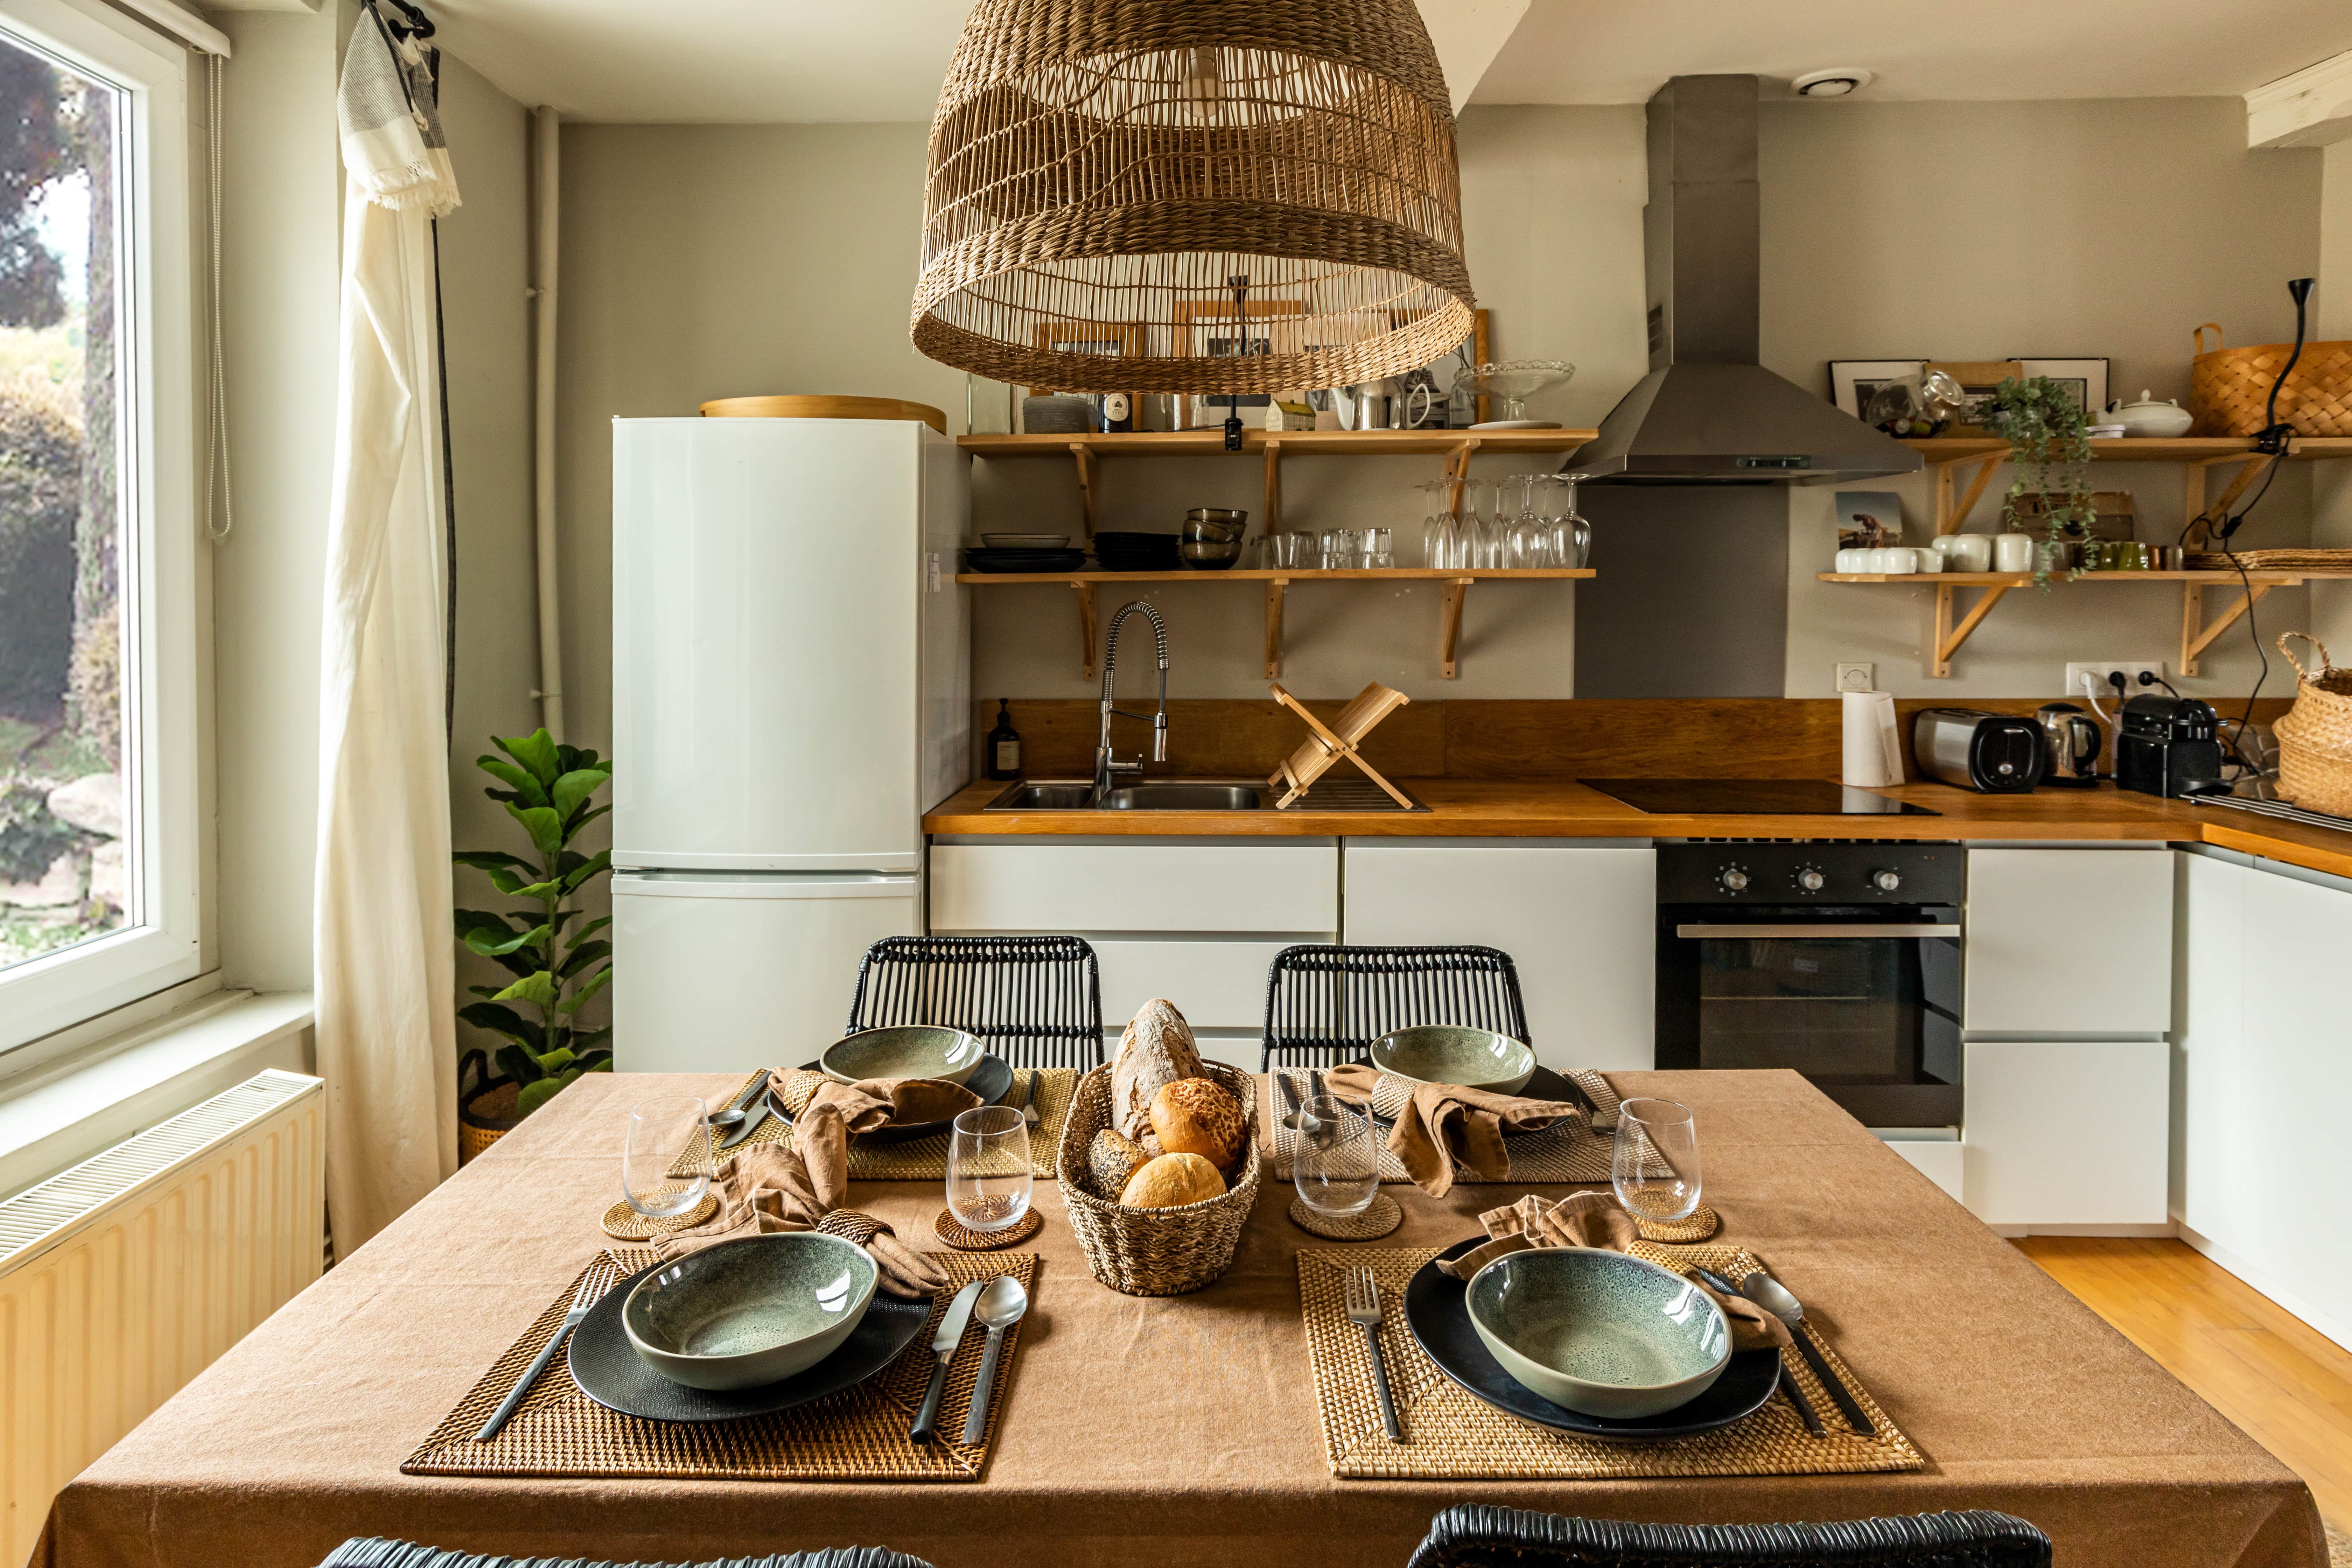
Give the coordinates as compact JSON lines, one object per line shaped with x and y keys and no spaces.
{"x":1703,"y":1223}
{"x":623,"y":1223}
{"x":944,"y":1226}
{"x":1375,"y":1222}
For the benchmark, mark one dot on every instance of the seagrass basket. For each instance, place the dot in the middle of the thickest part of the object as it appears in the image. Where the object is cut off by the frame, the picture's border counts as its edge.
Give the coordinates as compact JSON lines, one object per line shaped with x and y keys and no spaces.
{"x":2314,"y":736}
{"x":2230,"y":389}
{"x":487,"y":1110}
{"x":1154,"y":1252}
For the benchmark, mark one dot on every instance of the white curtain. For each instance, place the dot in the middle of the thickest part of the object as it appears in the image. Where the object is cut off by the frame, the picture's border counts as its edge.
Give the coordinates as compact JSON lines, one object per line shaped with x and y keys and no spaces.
{"x":382,"y":949}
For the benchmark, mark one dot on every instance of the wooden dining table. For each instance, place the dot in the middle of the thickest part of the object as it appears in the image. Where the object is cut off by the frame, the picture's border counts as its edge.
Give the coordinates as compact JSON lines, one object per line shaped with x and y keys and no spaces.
{"x":1182,"y":1430}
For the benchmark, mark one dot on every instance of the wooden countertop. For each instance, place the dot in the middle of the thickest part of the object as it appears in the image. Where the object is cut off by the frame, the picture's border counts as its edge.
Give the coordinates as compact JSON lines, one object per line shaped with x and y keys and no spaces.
{"x":1464,"y":808}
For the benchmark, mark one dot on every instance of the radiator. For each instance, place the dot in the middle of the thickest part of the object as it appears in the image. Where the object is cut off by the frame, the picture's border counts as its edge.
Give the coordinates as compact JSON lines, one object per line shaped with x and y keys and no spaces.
{"x":124,"y":1276}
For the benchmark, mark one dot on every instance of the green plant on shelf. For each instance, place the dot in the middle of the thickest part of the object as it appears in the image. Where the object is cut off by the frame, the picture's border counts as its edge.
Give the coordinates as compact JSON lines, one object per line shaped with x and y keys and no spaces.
{"x":2049,"y":436}
{"x":548,"y":791}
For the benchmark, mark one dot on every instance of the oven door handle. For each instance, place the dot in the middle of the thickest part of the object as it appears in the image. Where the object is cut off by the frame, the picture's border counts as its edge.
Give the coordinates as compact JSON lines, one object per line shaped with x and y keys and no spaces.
{"x":1824,"y":930}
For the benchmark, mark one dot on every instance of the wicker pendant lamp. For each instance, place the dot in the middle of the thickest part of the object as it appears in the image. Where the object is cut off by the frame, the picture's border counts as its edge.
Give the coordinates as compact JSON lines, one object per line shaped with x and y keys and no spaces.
{"x":1118,"y":186}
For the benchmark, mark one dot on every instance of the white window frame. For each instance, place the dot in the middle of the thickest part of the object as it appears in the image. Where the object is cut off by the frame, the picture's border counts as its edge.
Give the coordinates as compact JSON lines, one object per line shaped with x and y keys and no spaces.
{"x":159,"y":607}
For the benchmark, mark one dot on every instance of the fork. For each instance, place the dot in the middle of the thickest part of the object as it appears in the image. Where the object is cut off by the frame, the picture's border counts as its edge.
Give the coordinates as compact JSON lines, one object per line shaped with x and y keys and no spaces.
{"x":581,"y":1299}
{"x":1364,"y":1311}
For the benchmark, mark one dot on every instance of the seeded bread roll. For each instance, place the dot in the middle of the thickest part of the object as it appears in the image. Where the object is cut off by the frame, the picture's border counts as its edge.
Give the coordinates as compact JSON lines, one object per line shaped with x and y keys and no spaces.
{"x":1194,"y":1116}
{"x":1172,"y":1181}
{"x":1155,"y":1050}
{"x":1111,"y":1159}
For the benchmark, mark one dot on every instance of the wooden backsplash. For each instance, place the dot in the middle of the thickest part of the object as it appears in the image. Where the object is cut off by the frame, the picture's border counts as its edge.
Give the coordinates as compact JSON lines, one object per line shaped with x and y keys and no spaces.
{"x":1758,"y":737}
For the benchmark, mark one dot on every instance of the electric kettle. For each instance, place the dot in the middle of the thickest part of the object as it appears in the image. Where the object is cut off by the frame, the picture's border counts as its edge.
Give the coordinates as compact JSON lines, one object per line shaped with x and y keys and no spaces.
{"x":2070,"y":739}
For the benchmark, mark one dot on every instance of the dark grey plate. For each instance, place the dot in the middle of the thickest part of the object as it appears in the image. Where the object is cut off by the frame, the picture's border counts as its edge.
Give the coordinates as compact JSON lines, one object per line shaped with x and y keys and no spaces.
{"x":607,"y":1369}
{"x":1435,"y":1311}
{"x":1545,"y":1085}
{"x":991,"y":1081}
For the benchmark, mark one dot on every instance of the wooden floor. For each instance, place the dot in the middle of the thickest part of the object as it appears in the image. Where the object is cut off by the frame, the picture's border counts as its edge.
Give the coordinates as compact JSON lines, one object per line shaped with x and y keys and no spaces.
{"x":2286,"y":1385}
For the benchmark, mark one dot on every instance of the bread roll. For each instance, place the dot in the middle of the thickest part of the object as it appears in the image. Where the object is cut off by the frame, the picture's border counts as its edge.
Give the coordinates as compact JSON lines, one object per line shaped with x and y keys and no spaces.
{"x":1111,"y":1159}
{"x":1155,"y":1050}
{"x":1172,"y":1181}
{"x":1194,"y":1116}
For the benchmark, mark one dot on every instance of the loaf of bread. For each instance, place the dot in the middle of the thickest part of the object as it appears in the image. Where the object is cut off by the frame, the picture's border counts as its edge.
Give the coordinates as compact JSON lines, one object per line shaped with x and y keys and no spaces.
{"x":1155,"y":1050}
{"x":1172,"y":1181}
{"x":1111,"y":1159}
{"x":1194,"y":1116}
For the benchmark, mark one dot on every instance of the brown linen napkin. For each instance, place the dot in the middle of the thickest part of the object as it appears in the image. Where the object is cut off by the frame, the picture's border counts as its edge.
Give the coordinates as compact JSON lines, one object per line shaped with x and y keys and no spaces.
{"x":1447,"y":1125}
{"x":766,"y":1188}
{"x":826,"y":1114}
{"x":1598,"y":1221}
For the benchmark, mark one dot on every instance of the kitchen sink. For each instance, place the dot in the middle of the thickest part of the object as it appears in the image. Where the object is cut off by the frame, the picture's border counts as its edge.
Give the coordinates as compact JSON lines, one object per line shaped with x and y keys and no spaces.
{"x":1043,"y":797}
{"x":1183,"y":797}
{"x":1190,"y":794}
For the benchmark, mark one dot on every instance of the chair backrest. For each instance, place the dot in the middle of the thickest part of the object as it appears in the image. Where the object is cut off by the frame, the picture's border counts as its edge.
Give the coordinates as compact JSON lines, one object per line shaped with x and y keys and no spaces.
{"x":376,"y":1553}
{"x":1036,"y":1001}
{"x":1476,"y":1535}
{"x":1325,"y":1005}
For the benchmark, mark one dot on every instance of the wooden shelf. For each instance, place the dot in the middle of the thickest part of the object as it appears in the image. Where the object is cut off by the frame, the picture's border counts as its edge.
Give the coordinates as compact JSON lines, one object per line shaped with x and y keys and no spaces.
{"x":1276,"y":584}
{"x":2197,"y":633}
{"x":1948,"y":455}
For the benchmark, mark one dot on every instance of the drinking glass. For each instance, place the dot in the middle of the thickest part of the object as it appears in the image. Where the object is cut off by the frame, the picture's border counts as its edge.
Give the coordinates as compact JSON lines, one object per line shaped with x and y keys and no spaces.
{"x":1335,"y":1165}
{"x":666,"y":1161}
{"x":1654,"y":1164}
{"x":1436,"y":498}
{"x":989,"y":1174}
{"x":1377,"y":551}
{"x":1477,"y":495}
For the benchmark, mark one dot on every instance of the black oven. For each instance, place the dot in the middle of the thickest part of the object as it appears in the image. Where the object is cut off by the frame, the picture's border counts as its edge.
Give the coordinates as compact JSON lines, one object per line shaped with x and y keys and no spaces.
{"x":1839,"y":960}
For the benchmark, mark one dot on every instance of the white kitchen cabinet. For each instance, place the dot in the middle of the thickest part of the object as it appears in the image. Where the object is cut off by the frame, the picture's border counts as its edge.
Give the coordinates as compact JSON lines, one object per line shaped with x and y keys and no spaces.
{"x":2208,"y":1064}
{"x":1093,"y":885}
{"x":1217,"y":982}
{"x":2065,"y":1132}
{"x":1578,"y":920}
{"x":2068,"y":942}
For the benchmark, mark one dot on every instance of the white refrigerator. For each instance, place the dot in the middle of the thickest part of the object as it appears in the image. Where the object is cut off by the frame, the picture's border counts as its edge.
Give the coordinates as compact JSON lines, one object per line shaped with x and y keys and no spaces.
{"x":791,"y":692}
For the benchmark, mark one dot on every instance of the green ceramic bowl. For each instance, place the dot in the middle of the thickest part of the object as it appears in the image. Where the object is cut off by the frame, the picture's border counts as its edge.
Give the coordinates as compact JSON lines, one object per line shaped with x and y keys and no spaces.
{"x":1457,"y":1054}
{"x":749,"y":1312}
{"x":1600,"y":1332}
{"x":909,"y":1050}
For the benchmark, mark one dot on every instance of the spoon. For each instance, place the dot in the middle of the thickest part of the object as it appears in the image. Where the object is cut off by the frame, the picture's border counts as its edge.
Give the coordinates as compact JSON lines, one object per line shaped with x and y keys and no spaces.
{"x":1788,"y":1385}
{"x":1774,"y":1297}
{"x":999,"y":1305}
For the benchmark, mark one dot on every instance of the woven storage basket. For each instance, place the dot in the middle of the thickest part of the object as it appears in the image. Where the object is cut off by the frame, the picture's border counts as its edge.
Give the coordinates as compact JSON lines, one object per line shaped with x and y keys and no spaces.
{"x":2230,"y":389}
{"x":1154,"y":1252}
{"x":485,"y":1112}
{"x":2314,"y":736}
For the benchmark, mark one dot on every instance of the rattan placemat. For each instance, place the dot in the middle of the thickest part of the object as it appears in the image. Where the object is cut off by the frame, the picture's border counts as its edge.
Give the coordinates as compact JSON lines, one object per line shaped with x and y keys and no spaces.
{"x":925,"y":1159}
{"x":1450,"y":1434}
{"x":1569,"y":1152}
{"x":858,"y":1434}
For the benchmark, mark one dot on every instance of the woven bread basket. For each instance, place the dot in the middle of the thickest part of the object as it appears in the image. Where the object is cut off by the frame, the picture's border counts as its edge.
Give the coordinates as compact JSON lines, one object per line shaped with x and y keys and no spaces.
{"x":2230,"y":389}
{"x":1154,"y":1252}
{"x":2314,"y":736}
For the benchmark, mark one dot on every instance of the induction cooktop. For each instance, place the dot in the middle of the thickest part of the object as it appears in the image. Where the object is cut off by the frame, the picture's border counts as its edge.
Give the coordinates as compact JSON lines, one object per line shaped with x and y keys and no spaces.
{"x":1752,"y":798}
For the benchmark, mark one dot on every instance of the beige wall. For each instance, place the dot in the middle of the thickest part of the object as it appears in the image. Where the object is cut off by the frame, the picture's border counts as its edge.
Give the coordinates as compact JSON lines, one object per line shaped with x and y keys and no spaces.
{"x":2331,"y":485}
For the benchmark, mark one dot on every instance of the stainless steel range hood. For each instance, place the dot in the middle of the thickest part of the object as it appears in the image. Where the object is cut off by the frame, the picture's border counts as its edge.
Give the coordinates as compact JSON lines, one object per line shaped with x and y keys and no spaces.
{"x":1707,"y":413}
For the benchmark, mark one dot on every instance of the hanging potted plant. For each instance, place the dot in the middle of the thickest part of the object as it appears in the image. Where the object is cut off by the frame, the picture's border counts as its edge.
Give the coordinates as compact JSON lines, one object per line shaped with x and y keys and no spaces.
{"x":548,"y":791}
{"x":2049,"y":438}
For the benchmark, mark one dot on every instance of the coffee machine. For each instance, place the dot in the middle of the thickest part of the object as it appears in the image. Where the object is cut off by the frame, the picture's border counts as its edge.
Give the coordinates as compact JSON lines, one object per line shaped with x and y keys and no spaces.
{"x":2168,"y":746}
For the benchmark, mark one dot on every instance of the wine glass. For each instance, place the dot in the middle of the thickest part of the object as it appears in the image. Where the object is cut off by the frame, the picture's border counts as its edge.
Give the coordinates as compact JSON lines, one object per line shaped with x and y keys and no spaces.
{"x":1477,"y":495}
{"x":989,"y":1173}
{"x":1655,"y":1163}
{"x":1523,"y":537}
{"x":665,"y":1158}
{"x":1336,"y":1164}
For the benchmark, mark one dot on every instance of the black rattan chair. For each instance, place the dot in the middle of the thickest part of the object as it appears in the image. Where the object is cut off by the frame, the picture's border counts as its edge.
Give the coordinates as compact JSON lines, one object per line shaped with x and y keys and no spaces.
{"x":381,"y":1553}
{"x":1478,"y":1536}
{"x":1325,"y":1005}
{"x":1036,"y":1000}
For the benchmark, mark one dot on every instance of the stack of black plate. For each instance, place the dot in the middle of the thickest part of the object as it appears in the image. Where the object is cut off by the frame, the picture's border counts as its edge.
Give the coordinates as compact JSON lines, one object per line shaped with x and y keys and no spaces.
{"x":1135,"y":551}
{"x":1002,"y":560}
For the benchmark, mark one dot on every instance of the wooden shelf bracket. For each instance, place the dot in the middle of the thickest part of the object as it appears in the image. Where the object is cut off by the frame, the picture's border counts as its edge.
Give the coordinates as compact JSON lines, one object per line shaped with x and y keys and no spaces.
{"x":1951,"y":514}
{"x":1088,"y":654}
{"x":1275,"y":589}
{"x":1272,"y":523}
{"x":2196,"y":636}
{"x":1949,"y":635}
{"x":2252,"y":465}
{"x":1449,"y":635}
{"x":1086,"y":456}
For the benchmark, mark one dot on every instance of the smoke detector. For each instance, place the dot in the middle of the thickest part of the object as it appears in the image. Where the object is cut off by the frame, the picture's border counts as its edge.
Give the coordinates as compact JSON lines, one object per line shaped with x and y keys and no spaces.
{"x":1842,"y":81}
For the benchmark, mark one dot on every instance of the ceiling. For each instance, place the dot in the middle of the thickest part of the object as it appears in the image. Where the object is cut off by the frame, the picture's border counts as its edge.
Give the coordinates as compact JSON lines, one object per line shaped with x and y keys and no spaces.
{"x":752,"y":61}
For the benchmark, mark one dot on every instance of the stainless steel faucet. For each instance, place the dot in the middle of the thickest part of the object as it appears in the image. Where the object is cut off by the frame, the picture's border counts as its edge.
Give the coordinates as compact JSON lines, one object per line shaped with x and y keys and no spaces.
{"x":1105,"y":763}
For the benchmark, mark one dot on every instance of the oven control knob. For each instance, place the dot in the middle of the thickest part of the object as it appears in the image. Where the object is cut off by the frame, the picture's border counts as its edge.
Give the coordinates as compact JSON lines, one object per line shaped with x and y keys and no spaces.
{"x":1810,"y":879}
{"x":1734,"y":879}
{"x":1885,"y":881}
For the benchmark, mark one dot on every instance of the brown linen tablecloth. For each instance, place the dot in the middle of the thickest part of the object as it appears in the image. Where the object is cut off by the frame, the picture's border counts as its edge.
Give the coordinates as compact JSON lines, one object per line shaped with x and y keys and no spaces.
{"x":1179,"y":1431}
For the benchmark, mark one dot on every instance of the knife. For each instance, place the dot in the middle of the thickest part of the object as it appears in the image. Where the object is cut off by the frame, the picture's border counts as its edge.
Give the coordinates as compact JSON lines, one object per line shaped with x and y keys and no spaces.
{"x":943,"y":1345}
{"x":754,"y":1118}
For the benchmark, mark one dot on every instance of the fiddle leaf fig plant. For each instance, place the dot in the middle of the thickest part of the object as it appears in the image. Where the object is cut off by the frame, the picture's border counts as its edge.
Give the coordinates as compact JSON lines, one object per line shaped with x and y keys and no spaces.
{"x":548,"y":791}
{"x":2049,"y":435}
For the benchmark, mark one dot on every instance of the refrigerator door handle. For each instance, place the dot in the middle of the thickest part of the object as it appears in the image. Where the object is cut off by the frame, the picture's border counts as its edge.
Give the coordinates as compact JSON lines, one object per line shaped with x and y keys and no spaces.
{"x":806,"y":885}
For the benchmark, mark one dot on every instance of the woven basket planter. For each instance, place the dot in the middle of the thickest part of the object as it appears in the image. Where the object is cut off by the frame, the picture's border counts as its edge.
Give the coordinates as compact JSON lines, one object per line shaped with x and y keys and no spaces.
{"x":1154,"y":1252}
{"x":2314,"y":736}
{"x":485,"y":1112}
{"x":2230,"y":389}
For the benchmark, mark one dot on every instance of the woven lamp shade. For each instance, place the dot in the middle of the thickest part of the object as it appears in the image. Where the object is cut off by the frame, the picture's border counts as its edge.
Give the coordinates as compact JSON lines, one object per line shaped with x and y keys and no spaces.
{"x":1102,"y":170}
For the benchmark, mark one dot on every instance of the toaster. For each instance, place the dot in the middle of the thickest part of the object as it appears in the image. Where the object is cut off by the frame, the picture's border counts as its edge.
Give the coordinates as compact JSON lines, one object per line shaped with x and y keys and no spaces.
{"x":1996,"y":753}
{"x":2167,"y":746}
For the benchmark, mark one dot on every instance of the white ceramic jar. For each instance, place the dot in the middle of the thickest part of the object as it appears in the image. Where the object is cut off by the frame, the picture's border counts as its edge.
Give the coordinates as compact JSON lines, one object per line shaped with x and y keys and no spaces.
{"x":2013,"y":553}
{"x":1965,"y":551}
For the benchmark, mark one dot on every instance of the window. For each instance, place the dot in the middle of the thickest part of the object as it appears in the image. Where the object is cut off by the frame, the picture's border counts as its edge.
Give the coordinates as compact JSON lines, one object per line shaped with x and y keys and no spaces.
{"x":97,"y":759}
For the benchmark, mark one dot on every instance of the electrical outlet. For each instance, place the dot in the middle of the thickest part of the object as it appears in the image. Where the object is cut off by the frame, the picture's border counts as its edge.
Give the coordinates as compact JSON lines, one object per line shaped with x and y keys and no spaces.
{"x":2097,"y":670}
{"x":1856,"y":677}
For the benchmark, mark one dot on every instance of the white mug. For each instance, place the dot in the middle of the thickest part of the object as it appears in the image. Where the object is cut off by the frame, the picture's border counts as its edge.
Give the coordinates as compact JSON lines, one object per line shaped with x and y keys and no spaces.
{"x":1930,"y":560}
{"x":1965,"y":551}
{"x":1853,"y":560}
{"x":1894,"y":563}
{"x":2013,"y":553}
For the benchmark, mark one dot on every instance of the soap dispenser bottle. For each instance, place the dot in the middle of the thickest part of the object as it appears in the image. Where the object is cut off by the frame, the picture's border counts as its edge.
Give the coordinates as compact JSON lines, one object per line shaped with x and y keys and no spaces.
{"x":1003,"y":744}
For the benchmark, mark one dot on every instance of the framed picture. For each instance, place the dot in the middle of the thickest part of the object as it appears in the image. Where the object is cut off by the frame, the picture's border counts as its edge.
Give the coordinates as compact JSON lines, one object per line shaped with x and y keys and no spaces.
{"x":1852,"y":381}
{"x":1208,"y":328}
{"x":2084,"y":379}
{"x":1112,"y":339}
{"x":1869,"y":519}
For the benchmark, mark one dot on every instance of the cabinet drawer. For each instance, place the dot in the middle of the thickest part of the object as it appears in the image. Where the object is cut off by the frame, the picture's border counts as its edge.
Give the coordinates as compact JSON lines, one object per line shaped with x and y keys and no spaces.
{"x":2076,"y":941}
{"x":2068,"y":1132}
{"x":1032,"y":886}
{"x":1215,"y":985}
